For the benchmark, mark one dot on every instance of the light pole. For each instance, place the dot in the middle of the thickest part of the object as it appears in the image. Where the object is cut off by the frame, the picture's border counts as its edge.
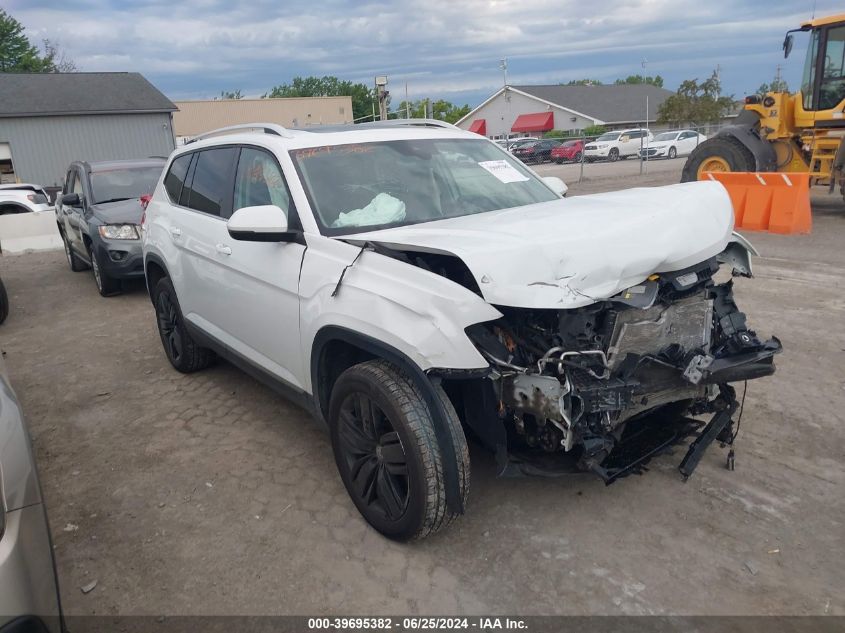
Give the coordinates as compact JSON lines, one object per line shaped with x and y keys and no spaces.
{"x":381,"y":82}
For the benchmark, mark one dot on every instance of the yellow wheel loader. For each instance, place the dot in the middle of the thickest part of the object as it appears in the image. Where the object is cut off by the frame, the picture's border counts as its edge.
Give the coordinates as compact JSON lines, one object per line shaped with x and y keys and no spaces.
{"x":788,"y":133}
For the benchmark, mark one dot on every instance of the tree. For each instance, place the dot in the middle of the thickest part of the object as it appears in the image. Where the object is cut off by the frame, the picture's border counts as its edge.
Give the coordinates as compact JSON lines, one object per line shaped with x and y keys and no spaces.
{"x":582,"y":82}
{"x":441,"y":110}
{"x":328,"y":86}
{"x":695,"y":103}
{"x":657,"y":80}
{"x":594,"y":130}
{"x":56,"y":59}
{"x":777,"y":85}
{"x":17,"y":54}
{"x":229,"y":94}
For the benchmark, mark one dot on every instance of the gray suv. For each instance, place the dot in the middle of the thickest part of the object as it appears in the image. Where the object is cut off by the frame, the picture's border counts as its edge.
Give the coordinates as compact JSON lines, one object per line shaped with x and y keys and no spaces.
{"x":99,"y":216}
{"x":29,"y":595}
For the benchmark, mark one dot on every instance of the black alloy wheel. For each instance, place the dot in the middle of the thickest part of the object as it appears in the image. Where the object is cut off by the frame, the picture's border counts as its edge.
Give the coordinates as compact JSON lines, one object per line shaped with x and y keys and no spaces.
{"x":377,"y":463}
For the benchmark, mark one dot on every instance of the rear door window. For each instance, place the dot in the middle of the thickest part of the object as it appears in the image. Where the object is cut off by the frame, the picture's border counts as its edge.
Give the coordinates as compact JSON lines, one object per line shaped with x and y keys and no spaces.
{"x":211,"y":185}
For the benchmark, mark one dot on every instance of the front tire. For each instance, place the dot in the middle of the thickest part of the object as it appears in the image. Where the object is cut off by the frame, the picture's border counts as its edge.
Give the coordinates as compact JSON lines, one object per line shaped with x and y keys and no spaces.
{"x":385,"y":448}
{"x":613,"y":155}
{"x":673,"y":153}
{"x":185,"y":354}
{"x":106,"y":286}
{"x":720,"y":154}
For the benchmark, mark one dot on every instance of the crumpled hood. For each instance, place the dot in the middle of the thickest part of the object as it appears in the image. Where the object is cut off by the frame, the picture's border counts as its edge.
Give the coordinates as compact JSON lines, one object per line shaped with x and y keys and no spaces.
{"x":124,"y":211}
{"x":573,"y":252}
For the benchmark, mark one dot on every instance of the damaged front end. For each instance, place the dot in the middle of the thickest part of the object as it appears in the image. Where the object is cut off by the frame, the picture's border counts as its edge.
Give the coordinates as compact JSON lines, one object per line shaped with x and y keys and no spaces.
{"x":603,"y":388}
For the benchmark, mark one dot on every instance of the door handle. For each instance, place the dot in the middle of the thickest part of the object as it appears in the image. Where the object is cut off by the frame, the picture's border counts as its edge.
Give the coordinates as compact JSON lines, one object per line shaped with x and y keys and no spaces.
{"x":223,"y":249}
{"x":175,"y":233}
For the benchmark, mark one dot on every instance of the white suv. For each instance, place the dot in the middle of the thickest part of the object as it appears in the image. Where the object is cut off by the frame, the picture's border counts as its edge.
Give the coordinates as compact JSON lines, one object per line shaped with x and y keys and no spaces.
{"x":617,"y":144}
{"x":407,"y":280}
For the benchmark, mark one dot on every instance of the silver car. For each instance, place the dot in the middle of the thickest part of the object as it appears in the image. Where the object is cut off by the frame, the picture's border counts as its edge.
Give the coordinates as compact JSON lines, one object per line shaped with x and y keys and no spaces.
{"x":29,"y":595}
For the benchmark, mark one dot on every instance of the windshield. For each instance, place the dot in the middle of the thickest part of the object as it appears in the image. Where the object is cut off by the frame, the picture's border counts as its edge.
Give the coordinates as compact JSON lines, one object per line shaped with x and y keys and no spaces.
{"x":396,"y":183}
{"x":112,"y":185}
{"x":666,"y":136}
{"x":608,"y":136}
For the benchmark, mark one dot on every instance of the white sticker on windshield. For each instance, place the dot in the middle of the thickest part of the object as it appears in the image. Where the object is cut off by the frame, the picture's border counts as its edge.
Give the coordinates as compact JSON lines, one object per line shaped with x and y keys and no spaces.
{"x":503,"y":170}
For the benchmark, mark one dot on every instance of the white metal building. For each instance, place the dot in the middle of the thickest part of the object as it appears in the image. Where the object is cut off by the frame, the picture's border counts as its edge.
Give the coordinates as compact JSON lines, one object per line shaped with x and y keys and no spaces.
{"x":532,"y":110}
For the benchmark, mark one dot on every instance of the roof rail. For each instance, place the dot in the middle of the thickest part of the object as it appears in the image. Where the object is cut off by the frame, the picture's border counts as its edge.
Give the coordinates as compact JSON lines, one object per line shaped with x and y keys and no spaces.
{"x":413,"y":123}
{"x":265,"y":128}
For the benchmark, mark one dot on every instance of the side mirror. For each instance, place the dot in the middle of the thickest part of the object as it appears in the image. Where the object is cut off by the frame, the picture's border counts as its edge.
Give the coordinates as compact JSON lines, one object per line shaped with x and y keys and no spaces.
{"x":556,"y":184}
{"x":71,"y":200}
{"x":264,"y":223}
{"x":787,"y":45}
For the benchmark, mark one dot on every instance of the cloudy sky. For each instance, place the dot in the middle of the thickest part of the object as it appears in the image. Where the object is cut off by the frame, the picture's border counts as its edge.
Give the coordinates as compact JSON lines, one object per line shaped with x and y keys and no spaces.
{"x":441,"y":48}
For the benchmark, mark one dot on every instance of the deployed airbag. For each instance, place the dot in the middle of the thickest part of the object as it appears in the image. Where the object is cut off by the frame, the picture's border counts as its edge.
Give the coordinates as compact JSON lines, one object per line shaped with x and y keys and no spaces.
{"x":383,"y":209}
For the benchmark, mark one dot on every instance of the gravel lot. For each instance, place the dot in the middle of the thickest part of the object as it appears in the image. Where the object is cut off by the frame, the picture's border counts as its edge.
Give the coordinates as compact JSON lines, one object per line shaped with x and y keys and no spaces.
{"x":209,"y":494}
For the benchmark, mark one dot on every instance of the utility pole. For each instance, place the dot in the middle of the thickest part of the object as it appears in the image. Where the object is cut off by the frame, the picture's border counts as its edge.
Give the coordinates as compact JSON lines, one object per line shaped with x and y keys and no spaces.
{"x":407,"y":103}
{"x":642,"y":138}
{"x":503,"y":66}
{"x":382,"y":94}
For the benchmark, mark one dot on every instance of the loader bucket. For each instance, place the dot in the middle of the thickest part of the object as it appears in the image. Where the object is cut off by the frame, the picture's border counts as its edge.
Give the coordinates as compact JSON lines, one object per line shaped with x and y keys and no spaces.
{"x":768,"y":201}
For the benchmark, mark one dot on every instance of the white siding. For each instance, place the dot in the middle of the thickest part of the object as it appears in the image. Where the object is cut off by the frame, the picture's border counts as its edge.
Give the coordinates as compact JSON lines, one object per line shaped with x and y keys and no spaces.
{"x":42,"y":147}
{"x":500,"y":113}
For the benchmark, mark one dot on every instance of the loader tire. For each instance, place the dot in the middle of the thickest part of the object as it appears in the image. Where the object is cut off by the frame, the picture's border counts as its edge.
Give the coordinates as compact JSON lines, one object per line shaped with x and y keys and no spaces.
{"x":722,"y":153}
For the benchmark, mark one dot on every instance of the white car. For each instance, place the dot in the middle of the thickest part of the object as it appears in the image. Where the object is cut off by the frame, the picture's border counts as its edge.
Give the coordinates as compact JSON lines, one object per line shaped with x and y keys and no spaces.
{"x":23,"y":198}
{"x":406,"y":279}
{"x":672,"y":144}
{"x":617,"y":144}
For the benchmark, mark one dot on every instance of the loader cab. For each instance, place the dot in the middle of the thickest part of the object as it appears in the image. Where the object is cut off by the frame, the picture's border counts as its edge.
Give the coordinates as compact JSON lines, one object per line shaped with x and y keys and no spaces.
{"x":823,"y":79}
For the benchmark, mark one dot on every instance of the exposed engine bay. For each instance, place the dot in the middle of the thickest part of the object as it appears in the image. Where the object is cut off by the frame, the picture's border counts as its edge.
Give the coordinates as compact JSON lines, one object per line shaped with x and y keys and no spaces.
{"x":606,"y":386}
{"x":573,"y":381}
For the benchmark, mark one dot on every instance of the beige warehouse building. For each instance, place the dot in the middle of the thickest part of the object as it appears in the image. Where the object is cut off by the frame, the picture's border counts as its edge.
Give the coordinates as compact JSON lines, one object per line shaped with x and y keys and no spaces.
{"x":195,"y":117}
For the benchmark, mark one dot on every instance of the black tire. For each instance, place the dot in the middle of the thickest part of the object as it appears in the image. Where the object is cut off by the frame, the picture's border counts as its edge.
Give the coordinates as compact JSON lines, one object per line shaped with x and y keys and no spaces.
{"x":106,"y":286}
{"x":559,"y":161}
{"x":4,"y":302}
{"x":673,"y":153}
{"x":613,"y":155}
{"x":182,"y":351}
{"x":76,"y":264}
{"x":577,"y":157}
{"x":387,"y":453}
{"x":726,"y":148}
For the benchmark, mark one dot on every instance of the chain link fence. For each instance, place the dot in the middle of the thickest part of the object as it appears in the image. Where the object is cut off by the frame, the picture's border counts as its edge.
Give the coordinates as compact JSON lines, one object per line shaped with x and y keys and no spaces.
{"x":580,"y":149}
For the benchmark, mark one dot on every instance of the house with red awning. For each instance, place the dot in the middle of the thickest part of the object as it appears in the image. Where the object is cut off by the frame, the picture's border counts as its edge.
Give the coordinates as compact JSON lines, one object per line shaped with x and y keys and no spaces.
{"x":534,"y":110}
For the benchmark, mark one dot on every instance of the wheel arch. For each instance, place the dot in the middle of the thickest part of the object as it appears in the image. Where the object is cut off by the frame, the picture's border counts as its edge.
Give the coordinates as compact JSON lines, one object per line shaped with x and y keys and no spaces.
{"x":154,"y":270}
{"x":336,"y":348}
{"x":746,"y":131}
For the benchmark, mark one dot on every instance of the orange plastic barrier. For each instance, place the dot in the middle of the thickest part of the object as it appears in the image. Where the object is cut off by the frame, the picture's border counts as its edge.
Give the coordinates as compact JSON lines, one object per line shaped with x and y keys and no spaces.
{"x":768,"y":201}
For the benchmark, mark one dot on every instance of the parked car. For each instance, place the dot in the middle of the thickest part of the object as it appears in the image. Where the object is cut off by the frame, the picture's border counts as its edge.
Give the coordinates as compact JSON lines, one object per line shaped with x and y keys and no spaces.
{"x":536,"y":152}
{"x":521,"y":141}
{"x":29,"y":600}
{"x":568,"y":151}
{"x":23,"y":198}
{"x":672,"y":144}
{"x":99,"y":214}
{"x":617,"y":144}
{"x":404,"y":296}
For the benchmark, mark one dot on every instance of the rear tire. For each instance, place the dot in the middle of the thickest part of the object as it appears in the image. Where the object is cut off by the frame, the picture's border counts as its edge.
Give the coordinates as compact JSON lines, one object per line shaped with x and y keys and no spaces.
{"x":76,"y":264}
{"x":387,"y":453}
{"x":185,"y":354}
{"x":577,"y":157}
{"x":723,"y":153}
{"x":4,"y":302}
